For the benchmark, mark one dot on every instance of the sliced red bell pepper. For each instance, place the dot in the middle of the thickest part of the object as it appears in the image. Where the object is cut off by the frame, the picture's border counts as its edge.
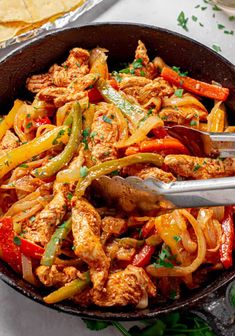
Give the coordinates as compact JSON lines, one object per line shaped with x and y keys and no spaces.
{"x":94,"y":95}
{"x":159,"y":132}
{"x":143,"y":258}
{"x":164,"y":146}
{"x":148,"y":229}
{"x":195,"y":86}
{"x":9,"y":251}
{"x":12,"y":246}
{"x":228,"y":237}
{"x":42,"y":121}
{"x":30,"y":249}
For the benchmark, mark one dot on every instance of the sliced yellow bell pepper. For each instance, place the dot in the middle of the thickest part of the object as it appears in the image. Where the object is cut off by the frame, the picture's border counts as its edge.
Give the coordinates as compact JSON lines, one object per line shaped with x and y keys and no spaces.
{"x":7,"y":123}
{"x":37,"y":146}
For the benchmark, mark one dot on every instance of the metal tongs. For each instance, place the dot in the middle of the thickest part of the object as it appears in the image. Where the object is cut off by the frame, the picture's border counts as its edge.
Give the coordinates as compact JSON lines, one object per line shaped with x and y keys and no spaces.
{"x":133,"y":192}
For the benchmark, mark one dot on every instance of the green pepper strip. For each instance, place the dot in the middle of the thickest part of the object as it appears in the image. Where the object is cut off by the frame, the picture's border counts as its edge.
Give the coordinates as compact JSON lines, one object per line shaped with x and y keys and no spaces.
{"x":55,"y":164}
{"x":133,"y":112}
{"x":69,"y":290}
{"x":52,"y":247}
{"x":109,"y":166}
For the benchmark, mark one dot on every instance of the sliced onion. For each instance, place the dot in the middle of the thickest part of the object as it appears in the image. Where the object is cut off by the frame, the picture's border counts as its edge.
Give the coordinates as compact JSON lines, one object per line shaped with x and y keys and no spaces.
{"x":27,"y":270}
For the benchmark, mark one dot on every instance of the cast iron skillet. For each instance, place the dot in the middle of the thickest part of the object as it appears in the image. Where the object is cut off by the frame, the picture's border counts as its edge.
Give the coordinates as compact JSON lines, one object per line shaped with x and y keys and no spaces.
{"x":121,"y":41}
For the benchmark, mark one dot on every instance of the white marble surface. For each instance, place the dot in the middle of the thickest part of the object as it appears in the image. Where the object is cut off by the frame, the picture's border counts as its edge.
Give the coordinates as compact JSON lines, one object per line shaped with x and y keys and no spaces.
{"x":18,"y":315}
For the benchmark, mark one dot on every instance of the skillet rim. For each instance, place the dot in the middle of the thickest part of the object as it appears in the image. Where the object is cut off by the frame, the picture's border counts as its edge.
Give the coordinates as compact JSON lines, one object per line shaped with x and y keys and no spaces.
{"x":96,"y":313}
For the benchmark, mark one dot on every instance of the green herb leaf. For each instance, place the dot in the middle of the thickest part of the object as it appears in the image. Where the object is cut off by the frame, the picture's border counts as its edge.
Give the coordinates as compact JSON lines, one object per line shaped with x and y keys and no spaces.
{"x":232,"y":18}
{"x":138,"y":63}
{"x":177,"y":238}
{"x":182,"y":21}
{"x":179,"y":93}
{"x":59,"y":135}
{"x":216,"y":48}
{"x":196,"y":167}
{"x":23,"y":165}
{"x":193,"y":123}
{"x":216,"y":8}
{"x":96,"y":325}
{"x":29,"y":125}
{"x":17,"y":241}
{"x":69,"y":196}
{"x":93,"y":134}
{"x":194,"y":18}
{"x":220,"y":26}
{"x":83,"y":171}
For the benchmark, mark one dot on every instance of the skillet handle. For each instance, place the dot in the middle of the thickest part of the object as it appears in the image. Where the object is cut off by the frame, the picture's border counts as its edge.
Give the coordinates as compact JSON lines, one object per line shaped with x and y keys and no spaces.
{"x":217,"y":310}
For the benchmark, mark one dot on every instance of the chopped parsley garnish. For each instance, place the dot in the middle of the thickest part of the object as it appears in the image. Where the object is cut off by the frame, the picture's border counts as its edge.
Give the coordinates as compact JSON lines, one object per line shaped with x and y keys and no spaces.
{"x":115,"y":173}
{"x":173,"y":294}
{"x":231,"y":32}
{"x":177,"y":238}
{"x":32,"y":219}
{"x":23,"y":165}
{"x":232,"y":18}
{"x":179,"y":93}
{"x":216,"y":48}
{"x":200,"y":24}
{"x":220,"y":26}
{"x":194,"y":18}
{"x":78,"y":64}
{"x":197,"y":6}
{"x":196,"y":167}
{"x":117,"y":76}
{"x":107,"y":119}
{"x":138,"y":63}
{"x":29,"y":125}
{"x":85,"y":134}
{"x":17,"y":241}
{"x":179,"y":72}
{"x":182,"y":21}
{"x":69,"y":196}
{"x":142,"y":73}
{"x":59,"y":135}
{"x":203,"y":8}
{"x":125,"y":71}
{"x":83,"y":171}
{"x":216,"y":8}
{"x":193,"y":123}
{"x":165,"y":258}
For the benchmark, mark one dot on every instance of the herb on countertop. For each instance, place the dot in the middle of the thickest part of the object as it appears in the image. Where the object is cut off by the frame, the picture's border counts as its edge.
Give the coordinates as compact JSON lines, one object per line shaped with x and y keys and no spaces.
{"x":216,"y":48}
{"x":170,"y":324}
{"x":182,"y":21}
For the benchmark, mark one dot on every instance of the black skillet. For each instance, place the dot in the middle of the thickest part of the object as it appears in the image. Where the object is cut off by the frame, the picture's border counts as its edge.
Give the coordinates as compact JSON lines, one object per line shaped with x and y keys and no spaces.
{"x":121,"y":41}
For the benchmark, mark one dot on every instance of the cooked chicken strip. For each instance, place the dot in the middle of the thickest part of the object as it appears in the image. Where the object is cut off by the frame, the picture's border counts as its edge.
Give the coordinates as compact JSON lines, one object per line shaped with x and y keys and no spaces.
{"x":9,"y":142}
{"x":112,"y":226}
{"x":86,"y":224}
{"x":57,"y":275}
{"x":61,"y":76}
{"x":147,"y":69}
{"x":42,"y":228}
{"x":144,"y":171}
{"x":200,"y":168}
{"x":105,"y":132}
{"x":131,"y":286}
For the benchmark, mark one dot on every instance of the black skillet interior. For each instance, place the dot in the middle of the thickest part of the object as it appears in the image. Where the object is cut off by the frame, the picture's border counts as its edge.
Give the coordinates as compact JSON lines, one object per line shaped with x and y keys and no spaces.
{"x":121,"y":41}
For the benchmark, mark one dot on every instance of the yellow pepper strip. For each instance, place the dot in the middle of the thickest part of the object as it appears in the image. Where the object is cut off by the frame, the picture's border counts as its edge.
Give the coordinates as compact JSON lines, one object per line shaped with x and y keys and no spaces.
{"x":112,"y":165}
{"x":37,"y":146}
{"x":216,"y":119}
{"x":55,"y":164}
{"x":52,"y":247}
{"x":7,"y":123}
{"x":141,"y":132}
{"x":69,"y":290}
{"x":88,"y":116}
{"x":98,"y":63}
{"x":133,"y":112}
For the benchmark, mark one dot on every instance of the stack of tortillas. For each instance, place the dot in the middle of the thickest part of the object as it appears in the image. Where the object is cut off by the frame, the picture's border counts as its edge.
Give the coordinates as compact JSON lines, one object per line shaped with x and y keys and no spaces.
{"x":19,"y":16}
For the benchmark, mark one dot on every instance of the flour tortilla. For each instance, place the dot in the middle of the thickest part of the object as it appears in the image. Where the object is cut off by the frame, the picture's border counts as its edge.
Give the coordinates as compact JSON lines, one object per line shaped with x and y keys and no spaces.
{"x":14,"y":10}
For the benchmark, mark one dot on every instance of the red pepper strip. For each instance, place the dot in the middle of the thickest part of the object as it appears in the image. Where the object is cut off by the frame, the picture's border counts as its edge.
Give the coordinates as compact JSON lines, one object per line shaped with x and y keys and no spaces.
{"x":164,"y":146}
{"x":143,"y":258}
{"x":9,"y":251}
{"x":42,"y":121}
{"x":159,"y":132}
{"x":30,"y":249}
{"x":195,"y":86}
{"x":226,"y":247}
{"x":148,"y":229}
{"x":94,"y":95}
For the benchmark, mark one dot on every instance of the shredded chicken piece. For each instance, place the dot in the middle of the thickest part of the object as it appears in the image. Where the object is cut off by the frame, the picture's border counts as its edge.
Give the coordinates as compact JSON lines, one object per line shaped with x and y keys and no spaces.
{"x":131,"y":286}
{"x":74,"y":67}
{"x":57,"y":275}
{"x":86,"y":224}
{"x":62,"y":95}
{"x":9,"y":142}
{"x":105,"y":132}
{"x":144,"y":171}
{"x":147,"y":69}
{"x":114,"y":251}
{"x":112,"y":226}
{"x":182,"y":115}
{"x":200,"y":168}
{"x":42,"y":228}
